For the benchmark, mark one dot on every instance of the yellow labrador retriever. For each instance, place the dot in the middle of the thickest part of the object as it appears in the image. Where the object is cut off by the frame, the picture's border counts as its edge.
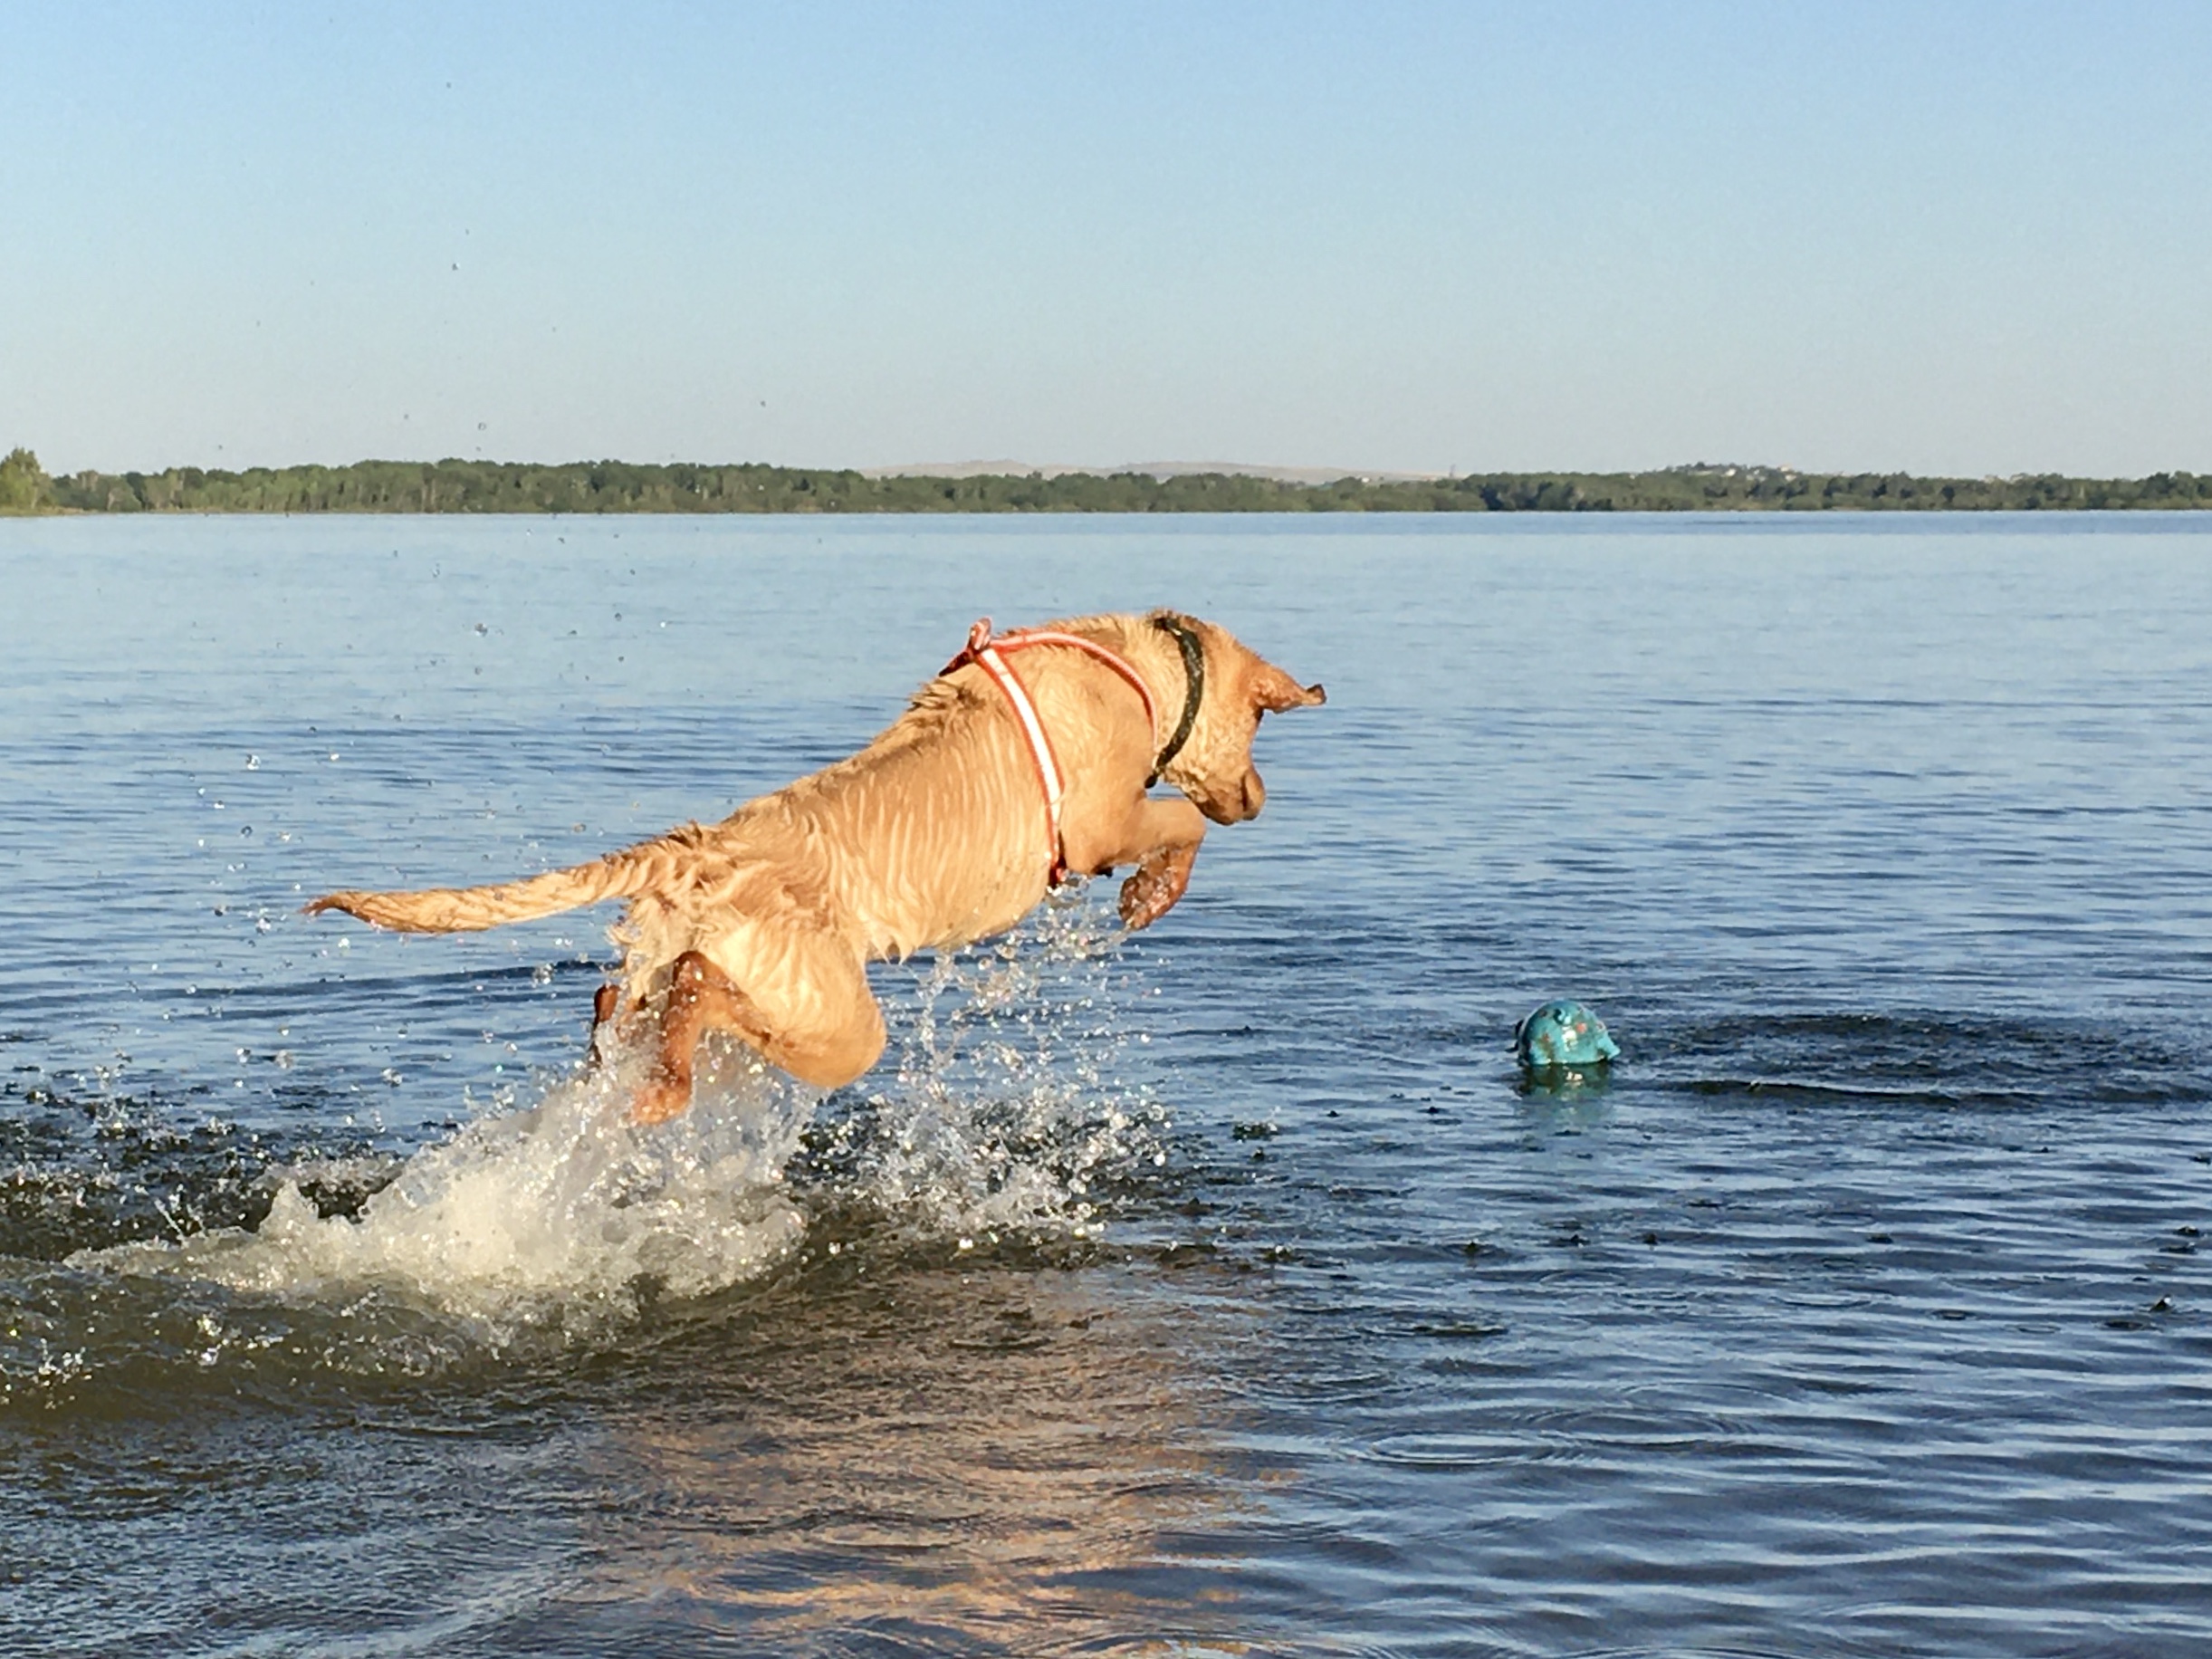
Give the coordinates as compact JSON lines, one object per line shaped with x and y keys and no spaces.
{"x":948,"y":828}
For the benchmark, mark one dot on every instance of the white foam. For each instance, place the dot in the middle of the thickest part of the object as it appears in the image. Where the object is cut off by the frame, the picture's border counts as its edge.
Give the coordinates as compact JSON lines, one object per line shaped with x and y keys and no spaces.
{"x":565,"y":1203}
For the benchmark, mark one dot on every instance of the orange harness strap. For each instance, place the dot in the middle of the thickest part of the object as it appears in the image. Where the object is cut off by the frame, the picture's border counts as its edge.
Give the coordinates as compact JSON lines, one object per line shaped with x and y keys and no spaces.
{"x":986,"y":653}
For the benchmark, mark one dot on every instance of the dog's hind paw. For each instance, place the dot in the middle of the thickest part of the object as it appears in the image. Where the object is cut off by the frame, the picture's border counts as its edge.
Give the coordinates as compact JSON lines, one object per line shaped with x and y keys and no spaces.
{"x":658,"y":1102}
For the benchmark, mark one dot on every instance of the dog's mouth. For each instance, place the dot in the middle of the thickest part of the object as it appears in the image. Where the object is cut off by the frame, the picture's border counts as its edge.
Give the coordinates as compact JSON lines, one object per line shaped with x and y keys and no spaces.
{"x":1240,"y":808}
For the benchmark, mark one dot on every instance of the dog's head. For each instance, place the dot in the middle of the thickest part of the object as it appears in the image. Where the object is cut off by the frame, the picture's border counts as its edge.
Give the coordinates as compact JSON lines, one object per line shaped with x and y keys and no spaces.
{"x":1214,"y":766}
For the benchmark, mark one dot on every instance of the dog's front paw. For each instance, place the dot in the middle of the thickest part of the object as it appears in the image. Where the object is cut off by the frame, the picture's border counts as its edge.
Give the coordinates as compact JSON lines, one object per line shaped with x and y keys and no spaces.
{"x":1152,"y":890}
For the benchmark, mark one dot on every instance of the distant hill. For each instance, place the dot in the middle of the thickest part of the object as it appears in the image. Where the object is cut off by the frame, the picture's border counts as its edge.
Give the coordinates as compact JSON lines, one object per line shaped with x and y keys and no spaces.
{"x":1143,"y":469}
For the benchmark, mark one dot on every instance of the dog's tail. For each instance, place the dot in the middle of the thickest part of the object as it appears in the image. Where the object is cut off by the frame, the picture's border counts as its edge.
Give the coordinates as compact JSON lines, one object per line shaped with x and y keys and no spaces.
{"x":618,"y":875}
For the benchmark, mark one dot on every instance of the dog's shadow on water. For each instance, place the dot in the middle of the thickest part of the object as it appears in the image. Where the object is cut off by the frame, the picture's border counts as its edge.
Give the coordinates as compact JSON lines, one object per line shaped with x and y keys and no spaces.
{"x":940,"y":1451}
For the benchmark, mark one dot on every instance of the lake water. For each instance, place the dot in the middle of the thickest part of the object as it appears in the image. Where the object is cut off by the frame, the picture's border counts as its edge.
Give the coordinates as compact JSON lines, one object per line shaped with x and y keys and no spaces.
{"x":1217,"y":1291}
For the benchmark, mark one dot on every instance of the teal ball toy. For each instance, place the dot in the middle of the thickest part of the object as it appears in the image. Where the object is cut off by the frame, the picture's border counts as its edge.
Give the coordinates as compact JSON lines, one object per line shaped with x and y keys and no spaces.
{"x":1561,"y":1035}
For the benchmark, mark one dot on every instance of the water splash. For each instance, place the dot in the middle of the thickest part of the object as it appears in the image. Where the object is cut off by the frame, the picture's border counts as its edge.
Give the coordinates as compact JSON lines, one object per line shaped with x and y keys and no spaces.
{"x":1010,"y":1111}
{"x":1010,"y":1115}
{"x":551,"y":1213}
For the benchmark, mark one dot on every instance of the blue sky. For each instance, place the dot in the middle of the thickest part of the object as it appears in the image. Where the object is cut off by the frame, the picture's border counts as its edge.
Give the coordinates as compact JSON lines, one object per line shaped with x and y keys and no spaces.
{"x":1961,"y":238}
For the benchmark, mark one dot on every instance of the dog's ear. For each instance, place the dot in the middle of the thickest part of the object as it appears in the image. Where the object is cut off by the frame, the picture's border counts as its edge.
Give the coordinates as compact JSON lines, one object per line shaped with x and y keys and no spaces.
{"x":1275,"y":691}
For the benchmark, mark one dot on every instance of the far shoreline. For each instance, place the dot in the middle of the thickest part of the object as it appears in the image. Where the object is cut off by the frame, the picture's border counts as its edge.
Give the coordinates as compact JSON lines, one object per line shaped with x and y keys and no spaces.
{"x":584,"y":488}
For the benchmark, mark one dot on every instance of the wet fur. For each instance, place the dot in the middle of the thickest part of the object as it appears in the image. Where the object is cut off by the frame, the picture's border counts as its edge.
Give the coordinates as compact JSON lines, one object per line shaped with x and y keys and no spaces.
{"x":932,"y":835}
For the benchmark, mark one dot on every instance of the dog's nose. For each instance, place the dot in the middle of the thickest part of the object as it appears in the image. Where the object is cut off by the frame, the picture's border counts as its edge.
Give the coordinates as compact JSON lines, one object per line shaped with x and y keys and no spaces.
{"x":1255,"y":795}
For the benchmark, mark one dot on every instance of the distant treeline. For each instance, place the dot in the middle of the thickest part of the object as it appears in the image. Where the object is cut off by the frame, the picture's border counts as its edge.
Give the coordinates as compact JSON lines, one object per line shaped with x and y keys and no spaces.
{"x":620,"y":486}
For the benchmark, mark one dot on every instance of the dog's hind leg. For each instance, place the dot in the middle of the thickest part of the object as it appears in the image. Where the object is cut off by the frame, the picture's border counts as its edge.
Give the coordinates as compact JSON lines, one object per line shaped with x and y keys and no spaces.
{"x":604,"y":1001}
{"x":700,"y":995}
{"x":817,"y":1019}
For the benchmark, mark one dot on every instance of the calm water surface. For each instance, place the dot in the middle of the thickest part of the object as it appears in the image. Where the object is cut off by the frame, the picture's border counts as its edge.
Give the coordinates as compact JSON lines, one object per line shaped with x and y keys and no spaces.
{"x":1217,"y":1291}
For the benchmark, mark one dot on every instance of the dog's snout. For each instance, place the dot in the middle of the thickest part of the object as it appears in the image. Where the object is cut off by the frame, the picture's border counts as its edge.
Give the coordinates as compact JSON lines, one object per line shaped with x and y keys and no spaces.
{"x":1255,"y":795}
